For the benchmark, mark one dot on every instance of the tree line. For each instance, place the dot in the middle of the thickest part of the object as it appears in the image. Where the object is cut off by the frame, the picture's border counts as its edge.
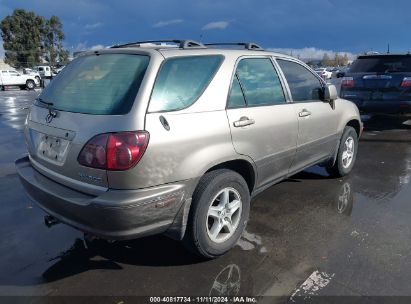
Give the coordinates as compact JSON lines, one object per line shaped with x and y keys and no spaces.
{"x":338,"y":60}
{"x":29,"y":39}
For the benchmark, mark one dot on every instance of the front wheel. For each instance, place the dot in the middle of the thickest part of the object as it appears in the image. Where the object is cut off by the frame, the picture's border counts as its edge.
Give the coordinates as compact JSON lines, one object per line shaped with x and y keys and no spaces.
{"x":347,"y":153}
{"x":30,"y":84}
{"x":219,"y":213}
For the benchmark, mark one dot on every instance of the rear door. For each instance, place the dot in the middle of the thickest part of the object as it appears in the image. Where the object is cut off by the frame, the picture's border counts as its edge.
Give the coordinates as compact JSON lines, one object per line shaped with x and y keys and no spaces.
{"x":317,"y":120}
{"x":5,"y":77}
{"x":263,"y":124}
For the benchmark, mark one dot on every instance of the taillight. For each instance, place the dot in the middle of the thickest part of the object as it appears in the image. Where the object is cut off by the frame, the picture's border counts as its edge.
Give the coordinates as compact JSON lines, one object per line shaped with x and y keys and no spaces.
{"x":406,"y":82}
{"x":347,"y":82}
{"x":114,"y":151}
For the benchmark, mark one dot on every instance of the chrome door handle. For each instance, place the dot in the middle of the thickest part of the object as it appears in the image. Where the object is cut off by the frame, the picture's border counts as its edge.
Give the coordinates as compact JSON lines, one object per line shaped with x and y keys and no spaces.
{"x":304,"y":113}
{"x":244,"y":121}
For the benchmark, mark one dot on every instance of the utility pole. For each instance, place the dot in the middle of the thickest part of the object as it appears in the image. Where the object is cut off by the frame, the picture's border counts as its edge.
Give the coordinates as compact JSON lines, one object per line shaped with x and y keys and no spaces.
{"x":388,"y":49}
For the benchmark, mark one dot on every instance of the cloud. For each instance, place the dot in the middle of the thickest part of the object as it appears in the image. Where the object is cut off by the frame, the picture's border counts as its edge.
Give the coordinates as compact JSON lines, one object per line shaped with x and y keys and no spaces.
{"x":167,"y":22}
{"x":217,"y":25}
{"x":82,"y":46}
{"x":92,"y":26}
{"x":311,"y":52}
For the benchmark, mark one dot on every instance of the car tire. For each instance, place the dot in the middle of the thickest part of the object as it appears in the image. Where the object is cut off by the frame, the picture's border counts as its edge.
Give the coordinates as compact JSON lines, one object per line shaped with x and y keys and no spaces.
{"x":30,"y":84}
{"x":347,"y":153}
{"x":208,"y":234}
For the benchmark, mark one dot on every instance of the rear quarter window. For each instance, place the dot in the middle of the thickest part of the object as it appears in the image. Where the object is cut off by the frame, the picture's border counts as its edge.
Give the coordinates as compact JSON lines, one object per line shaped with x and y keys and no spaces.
{"x":182,"y":80}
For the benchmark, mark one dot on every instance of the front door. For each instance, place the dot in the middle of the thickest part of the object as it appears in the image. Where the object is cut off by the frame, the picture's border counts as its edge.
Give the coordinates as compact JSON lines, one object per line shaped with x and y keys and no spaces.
{"x":317,"y":120}
{"x":263,"y":124}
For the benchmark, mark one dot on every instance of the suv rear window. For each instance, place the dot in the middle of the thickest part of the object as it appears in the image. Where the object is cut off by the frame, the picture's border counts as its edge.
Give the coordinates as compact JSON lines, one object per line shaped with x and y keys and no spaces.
{"x":182,"y":80}
{"x":106,"y":84}
{"x":381,"y":64}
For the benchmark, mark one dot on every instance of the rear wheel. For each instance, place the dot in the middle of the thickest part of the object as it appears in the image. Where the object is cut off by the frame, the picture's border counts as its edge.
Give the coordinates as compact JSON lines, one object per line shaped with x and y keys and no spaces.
{"x":347,"y":153}
{"x":219,"y":213}
{"x":30,"y":84}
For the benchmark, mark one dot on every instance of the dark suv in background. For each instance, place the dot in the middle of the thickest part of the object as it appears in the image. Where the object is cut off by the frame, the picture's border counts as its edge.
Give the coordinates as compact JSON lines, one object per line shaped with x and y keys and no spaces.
{"x":379,"y":84}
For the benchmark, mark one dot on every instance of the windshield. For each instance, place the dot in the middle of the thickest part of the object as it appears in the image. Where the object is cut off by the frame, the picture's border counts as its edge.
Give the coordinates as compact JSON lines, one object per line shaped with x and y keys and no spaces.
{"x":381,"y":64}
{"x":97,"y":84}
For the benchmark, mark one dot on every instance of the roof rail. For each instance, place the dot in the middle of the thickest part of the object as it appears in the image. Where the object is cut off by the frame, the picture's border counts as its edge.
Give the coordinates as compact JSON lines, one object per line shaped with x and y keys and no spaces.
{"x":182,"y":44}
{"x":247,"y":45}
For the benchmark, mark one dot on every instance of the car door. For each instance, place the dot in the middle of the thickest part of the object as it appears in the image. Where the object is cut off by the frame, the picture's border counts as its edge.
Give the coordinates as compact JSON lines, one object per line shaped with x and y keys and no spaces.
{"x":262,"y":121}
{"x":16,"y":78}
{"x":317,"y":120}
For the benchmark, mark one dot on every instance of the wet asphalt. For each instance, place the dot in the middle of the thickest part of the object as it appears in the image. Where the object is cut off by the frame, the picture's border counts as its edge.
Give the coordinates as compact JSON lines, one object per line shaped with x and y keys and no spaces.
{"x":309,"y":235}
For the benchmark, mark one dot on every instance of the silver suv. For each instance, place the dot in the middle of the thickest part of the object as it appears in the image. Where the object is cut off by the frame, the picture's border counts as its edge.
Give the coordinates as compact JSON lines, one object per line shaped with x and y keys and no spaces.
{"x":145,"y":138}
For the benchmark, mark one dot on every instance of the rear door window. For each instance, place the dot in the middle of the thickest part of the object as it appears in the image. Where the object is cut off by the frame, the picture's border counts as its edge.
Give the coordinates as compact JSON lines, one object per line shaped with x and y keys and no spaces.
{"x":259,"y":81}
{"x":304,"y":86}
{"x":104,"y":84}
{"x":236,"y":98}
{"x":181,"y":81}
{"x":381,"y":64}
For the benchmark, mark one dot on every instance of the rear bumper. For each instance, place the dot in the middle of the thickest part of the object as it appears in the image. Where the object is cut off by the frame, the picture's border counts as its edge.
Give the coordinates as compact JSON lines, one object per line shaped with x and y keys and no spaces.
{"x":383,"y":106}
{"x":115,"y":214}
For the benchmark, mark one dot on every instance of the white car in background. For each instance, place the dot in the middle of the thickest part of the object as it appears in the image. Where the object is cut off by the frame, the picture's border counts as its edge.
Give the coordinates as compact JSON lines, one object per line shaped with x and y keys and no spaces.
{"x":44,"y":71}
{"x":14,"y":78}
{"x":32,"y":72}
{"x":324,"y":73}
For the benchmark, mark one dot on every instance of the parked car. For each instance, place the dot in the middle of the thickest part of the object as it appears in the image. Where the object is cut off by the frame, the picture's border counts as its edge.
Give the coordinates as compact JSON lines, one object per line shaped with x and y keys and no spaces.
{"x":14,"y":78}
{"x":27,"y":71}
{"x":58,"y":70}
{"x":44,"y":71}
{"x":341,"y":72}
{"x":379,"y":83}
{"x":324,"y":73}
{"x":158,"y":147}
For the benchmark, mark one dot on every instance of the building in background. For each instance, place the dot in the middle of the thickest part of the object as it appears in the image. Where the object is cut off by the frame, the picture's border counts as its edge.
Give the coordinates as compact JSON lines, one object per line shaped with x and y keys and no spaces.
{"x":4,"y":66}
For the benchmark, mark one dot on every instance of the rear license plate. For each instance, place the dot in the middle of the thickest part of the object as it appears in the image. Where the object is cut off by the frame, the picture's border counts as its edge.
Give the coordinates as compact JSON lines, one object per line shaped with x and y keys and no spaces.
{"x":52,"y":148}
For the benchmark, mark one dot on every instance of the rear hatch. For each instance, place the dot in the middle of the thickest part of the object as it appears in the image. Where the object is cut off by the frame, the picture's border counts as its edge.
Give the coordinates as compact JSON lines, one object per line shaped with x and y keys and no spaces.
{"x":378,"y":78}
{"x":92,"y":95}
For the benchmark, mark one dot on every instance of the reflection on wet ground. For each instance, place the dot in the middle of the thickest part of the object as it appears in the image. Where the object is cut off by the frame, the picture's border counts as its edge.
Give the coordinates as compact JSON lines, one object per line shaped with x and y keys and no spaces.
{"x":309,"y":235}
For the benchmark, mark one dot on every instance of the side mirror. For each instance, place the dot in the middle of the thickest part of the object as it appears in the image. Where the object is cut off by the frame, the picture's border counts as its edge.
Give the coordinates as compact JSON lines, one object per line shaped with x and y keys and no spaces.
{"x":330,"y":93}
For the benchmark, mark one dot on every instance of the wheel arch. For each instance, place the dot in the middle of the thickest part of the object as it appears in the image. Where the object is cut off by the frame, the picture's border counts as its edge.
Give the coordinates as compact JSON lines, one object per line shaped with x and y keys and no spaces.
{"x":243,"y":167}
{"x":355,"y":123}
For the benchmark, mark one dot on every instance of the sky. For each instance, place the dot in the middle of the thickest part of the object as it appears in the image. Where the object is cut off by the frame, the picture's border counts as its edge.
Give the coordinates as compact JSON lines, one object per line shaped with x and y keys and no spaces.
{"x":305,"y":28}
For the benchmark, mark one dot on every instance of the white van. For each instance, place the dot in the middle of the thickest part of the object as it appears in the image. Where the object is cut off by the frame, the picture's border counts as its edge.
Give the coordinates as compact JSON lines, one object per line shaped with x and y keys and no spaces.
{"x":44,"y":71}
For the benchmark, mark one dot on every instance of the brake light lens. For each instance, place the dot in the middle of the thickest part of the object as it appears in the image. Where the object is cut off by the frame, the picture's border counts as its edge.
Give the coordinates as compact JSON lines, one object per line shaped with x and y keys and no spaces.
{"x":114,"y":151}
{"x":347,"y":82}
{"x":406,"y":82}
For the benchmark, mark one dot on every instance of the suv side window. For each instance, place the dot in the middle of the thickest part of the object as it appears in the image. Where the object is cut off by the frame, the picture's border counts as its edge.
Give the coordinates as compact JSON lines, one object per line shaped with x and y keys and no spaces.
{"x":181,"y":81}
{"x":236,"y":98}
{"x":304,"y":86}
{"x":259,"y":82}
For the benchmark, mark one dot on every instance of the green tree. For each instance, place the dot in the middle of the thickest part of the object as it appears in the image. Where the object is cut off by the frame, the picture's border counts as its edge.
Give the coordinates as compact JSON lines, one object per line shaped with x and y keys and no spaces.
{"x":29,"y":38}
{"x":52,"y":41}
{"x":21,"y":33}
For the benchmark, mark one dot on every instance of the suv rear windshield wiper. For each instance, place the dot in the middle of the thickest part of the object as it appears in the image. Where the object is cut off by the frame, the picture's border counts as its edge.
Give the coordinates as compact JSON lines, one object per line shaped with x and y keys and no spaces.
{"x":49,"y":104}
